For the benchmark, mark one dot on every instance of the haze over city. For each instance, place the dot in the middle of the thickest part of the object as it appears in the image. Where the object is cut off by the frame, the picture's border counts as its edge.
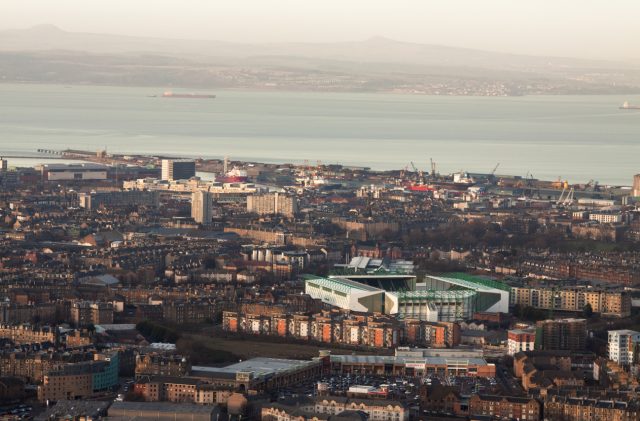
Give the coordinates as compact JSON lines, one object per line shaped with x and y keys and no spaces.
{"x":569,"y":28}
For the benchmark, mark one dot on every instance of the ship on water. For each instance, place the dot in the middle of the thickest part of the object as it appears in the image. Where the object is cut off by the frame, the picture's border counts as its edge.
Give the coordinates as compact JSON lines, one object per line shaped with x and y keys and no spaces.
{"x":170,"y":94}
{"x":627,"y":106}
{"x":236,"y":175}
{"x":463,"y":179}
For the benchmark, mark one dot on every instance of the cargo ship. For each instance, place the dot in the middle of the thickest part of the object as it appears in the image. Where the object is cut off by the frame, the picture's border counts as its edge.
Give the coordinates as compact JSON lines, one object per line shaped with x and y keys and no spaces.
{"x":169,"y":94}
{"x":419,"y":187}
{"x":627,"y":106}
{"x":463,"y":179}
{"x":236,"y":175}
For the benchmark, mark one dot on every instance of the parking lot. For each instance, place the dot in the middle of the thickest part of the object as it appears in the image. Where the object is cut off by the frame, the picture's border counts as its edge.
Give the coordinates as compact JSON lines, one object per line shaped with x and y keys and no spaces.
{"x":16,"y":412}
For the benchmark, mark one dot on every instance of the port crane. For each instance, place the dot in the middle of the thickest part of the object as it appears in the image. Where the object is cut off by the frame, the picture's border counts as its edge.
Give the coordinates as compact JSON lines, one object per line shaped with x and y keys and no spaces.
{"x":529,"y":185}
{"x":493,"y":172}
{"x":433,"y":167}
{"x":592,"y":185}
{"x":566,"y":200}
{"x":419,"y":173}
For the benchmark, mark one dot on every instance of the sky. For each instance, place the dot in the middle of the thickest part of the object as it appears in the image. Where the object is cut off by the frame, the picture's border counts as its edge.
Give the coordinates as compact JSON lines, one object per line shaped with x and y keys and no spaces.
{"x":598,"y":29}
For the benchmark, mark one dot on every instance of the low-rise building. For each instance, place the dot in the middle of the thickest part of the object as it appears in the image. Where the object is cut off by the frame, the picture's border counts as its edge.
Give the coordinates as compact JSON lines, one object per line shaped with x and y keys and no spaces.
{"x":505,"y":407}
{"x":162,"y":411}
{"x":81,"y":380}
{"x":333,"y":407}
{"x":586,"y":409}
{"x":519,"y":340}
{"x":118,"y":199}
{"x":26,"y":333}
{"x":156,"y":364}
{"x":413,"y":363}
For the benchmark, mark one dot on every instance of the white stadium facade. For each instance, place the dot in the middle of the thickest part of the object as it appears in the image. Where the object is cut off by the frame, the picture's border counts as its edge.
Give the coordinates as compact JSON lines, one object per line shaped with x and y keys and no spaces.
{"x":434,"y":299}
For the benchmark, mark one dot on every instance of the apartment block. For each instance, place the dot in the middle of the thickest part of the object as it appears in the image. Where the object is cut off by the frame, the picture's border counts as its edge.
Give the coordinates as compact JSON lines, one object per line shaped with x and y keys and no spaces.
{"x":273,"y":204}
{"x":606,"y":302}
{"x":561,"y":334}
{"x":622,"y":346}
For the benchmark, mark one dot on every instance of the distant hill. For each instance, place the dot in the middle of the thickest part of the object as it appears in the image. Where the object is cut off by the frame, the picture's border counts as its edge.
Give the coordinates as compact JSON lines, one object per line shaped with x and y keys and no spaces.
{"x":376,"y":64}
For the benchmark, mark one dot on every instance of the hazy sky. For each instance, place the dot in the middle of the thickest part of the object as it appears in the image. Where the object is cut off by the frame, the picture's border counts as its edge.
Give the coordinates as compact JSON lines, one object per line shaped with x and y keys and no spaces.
{"x":578,"y":28}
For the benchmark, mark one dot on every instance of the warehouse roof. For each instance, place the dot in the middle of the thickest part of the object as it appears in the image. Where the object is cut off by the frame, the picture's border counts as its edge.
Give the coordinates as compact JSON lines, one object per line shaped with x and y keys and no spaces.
{"x":260,"y":366}
{"x":186,"y":408}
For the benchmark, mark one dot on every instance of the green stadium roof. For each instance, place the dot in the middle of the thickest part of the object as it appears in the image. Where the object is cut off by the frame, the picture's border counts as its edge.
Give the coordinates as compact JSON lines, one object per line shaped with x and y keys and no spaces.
{"x":478,"y":280}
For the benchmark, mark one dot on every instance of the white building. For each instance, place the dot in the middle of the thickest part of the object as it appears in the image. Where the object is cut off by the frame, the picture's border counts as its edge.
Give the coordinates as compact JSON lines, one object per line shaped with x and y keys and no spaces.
{"x":346,"y":294}
{"x":434,"y":299}
{"x":622,"y":344}
{"x":606,"y":218}
{"x":73,"y":172}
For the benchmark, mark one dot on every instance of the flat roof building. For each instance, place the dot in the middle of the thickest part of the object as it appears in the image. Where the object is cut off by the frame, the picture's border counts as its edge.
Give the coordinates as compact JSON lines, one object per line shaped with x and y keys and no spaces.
{"x":174,"y":169}
{"x":411,"y":365}
{"x":73,"y":172}
{"x":162,"y":411}
{"x":260,"y":373}
{"x":118,"y":199}
{"x":273,"y":204}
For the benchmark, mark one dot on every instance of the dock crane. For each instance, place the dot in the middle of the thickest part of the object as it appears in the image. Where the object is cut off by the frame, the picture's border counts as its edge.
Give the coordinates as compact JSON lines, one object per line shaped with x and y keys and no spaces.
{"x":433,"y":167}
{"x":492,"y":175}
{"x":566,"y":200}
{"x":493,"y":172}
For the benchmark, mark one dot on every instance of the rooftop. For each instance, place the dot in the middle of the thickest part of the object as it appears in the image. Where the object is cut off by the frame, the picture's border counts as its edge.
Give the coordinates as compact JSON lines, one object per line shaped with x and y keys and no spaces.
{"x":75,"y":166}
{"x":260,"y":366}
{"x":184,"y":408}
{"x":379,"y":359}
{"x":478,"y":280}
{"x":341,"y":284}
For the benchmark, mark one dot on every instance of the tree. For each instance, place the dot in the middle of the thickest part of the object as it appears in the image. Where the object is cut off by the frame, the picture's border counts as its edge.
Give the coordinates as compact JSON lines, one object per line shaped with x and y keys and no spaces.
{"x":587,"y":311}
{"x":517,"y":311}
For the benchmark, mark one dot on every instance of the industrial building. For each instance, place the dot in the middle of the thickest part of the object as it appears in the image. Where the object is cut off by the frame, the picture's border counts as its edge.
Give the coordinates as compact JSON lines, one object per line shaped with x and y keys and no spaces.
{"x":73,"y":172}
{"x":435,"y":299}
{"x":182,"y":169}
